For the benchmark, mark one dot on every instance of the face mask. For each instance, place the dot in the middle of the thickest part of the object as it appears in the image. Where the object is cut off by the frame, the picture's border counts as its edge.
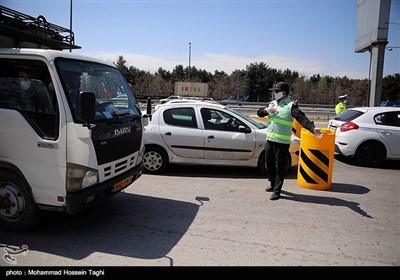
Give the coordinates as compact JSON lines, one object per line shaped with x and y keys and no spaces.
{"x":25,"y":84}
{"x":345,"y":101}
{"x":278,"y":95}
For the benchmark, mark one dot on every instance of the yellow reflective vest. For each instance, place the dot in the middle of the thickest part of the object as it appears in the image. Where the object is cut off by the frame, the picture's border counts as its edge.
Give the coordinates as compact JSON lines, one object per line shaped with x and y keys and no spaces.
{"x":280,"y":123}
{"x":340,"y":107}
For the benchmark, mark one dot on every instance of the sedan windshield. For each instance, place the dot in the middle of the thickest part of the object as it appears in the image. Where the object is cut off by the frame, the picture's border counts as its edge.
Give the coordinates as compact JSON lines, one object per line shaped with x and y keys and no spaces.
{"x":247,"y":118}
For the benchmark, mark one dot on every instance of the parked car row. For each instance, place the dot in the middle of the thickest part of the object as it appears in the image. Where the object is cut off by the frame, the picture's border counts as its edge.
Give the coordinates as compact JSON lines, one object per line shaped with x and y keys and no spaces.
{"x":205,"y":133}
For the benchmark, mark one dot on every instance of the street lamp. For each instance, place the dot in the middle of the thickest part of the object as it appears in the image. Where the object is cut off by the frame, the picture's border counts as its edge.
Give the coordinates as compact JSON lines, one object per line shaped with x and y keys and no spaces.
{"x":70,"y":19}
{"x":190,"y":53}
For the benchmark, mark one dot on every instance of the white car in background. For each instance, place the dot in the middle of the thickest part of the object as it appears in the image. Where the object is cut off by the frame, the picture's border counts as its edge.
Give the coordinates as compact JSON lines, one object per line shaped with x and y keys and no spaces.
{"x":121,"y":97}
{"x":205,"y":133}
{"x":170,"y":98}
{"x":369,"y":134}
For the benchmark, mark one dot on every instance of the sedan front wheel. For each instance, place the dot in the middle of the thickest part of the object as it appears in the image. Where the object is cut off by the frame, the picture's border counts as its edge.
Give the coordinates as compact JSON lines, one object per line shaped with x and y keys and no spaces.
{"x":155,"y":160}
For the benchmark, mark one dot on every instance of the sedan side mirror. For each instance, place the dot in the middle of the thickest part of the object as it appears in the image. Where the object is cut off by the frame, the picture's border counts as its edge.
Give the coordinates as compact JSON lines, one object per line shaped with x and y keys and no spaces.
{"x":244,"y":129}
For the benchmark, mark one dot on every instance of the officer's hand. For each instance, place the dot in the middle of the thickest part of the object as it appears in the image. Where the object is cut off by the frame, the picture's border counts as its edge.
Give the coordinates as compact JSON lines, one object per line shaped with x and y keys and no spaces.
{"x":317,"y":132}
{"x":270,"y":110}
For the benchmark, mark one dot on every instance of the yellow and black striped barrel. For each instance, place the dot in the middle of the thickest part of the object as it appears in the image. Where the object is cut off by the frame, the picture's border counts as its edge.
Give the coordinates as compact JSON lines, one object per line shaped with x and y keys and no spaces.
{"x":316,"y":160}
{"x":296,"y":129}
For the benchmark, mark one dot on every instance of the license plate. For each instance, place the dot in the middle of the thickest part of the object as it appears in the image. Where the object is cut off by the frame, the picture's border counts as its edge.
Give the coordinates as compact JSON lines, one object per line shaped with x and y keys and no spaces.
{"x":122,"y":184}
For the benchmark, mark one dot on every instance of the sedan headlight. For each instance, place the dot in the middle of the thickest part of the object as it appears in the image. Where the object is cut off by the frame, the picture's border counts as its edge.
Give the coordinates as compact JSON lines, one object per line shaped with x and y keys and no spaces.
{"x":80,"y":177}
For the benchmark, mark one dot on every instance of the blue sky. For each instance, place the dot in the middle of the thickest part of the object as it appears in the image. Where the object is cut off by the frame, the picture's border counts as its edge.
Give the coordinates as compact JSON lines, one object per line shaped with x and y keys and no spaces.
{"x":311,"y":37}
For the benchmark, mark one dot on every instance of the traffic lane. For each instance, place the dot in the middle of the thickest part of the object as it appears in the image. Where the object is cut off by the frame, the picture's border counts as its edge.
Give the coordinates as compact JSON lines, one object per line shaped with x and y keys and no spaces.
{"x":354,"y":223}
{"x":208,"y":216}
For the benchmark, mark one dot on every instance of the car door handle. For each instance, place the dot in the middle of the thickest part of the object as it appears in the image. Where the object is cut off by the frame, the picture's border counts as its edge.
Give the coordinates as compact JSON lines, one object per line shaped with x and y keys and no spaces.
{"x":385,"y":132}
{"x":168,"y":133}
{"x":211,"y":137}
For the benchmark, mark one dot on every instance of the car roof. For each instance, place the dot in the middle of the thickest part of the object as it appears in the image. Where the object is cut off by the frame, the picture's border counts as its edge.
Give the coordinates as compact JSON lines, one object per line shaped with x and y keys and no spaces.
{"x":172,"y":97}
{"x":190,"y":102}
{"x":361,"y":112}
{"x":375,"y":109}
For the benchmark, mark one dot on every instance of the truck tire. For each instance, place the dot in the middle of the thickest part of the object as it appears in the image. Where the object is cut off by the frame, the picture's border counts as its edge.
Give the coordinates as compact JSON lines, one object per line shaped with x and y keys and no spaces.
{"x":18,"y":211}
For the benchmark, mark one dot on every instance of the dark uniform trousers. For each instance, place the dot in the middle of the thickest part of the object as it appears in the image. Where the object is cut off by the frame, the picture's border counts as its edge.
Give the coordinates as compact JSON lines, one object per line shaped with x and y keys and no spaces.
{"x":276,"y":155}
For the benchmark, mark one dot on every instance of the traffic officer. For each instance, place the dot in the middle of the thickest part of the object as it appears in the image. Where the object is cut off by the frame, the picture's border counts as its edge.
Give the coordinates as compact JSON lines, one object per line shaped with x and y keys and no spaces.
{"x":281,"y":112}
{"x":342,"y":105}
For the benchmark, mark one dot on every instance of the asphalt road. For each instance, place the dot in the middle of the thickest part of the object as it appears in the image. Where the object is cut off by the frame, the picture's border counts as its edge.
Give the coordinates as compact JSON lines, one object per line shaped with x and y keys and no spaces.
{"x":193,"y":216}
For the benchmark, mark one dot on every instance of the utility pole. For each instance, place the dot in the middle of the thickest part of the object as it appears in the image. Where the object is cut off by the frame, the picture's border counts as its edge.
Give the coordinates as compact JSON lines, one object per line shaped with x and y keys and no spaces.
{"x":70,"y":19}
{"x":190,"y":54}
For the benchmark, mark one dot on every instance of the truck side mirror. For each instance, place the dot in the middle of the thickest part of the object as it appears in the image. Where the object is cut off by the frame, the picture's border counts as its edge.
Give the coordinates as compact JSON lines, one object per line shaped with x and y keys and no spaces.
{"x":88,"y":107}
{"x":148,"y":109}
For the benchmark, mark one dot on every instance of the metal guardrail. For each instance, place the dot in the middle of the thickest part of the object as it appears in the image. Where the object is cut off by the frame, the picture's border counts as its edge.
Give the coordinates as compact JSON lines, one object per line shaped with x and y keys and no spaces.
{"x":316,"y":112}
{"x":251,"y":104}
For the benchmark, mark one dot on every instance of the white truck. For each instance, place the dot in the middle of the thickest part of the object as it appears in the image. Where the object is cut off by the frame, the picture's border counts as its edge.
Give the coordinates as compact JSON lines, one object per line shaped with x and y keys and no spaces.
{"x":66,"y":140}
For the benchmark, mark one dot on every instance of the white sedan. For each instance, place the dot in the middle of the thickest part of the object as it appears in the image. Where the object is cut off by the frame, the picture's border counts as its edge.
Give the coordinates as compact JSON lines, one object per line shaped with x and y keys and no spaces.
{"x":204,"y":133}
{"x":369,"y":134}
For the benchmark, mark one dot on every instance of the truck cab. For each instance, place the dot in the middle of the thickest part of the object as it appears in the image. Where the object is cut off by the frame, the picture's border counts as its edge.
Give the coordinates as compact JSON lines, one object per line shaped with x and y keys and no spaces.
{"x":66,"y":140}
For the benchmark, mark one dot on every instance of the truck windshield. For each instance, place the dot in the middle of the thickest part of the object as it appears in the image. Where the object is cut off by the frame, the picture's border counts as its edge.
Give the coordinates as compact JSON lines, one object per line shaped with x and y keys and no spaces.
{"x":114,"y":97}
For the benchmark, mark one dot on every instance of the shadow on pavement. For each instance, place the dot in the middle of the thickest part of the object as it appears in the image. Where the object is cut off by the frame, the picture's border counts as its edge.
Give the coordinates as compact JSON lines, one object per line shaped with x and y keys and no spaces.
{"x":221,"y":172}
{"x":346,"y":188}
{"x":212,"y":171}
{"x":332,"y":201}
{"x":127,"y":225}
{"x":387,"y":164}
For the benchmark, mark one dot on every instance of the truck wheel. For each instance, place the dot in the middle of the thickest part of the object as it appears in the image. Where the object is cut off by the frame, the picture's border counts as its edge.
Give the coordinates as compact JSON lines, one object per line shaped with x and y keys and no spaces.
{"x":18,"y":212}
{"x":155,"y":160}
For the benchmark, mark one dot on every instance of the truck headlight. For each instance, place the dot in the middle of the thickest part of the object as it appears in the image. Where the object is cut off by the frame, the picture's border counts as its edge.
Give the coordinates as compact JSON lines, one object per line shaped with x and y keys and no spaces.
{"x":80,"y":177}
